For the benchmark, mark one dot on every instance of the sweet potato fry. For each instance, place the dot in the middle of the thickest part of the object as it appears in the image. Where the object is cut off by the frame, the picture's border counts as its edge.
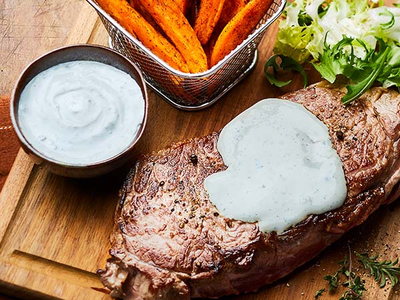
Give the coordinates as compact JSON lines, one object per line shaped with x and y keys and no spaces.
{"x":175,"y":25}
{"x":143,"y":12}
{"x":183,"y":5}
{"x":134,"y":23}
{"x":193,"y":12}
{"x":231,"y":8}
{"x":239,"y":28}
{"x":209,"y":13}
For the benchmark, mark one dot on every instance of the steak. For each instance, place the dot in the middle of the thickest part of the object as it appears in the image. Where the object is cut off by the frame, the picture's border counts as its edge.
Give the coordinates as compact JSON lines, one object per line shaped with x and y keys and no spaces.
{"x":170,"y":241}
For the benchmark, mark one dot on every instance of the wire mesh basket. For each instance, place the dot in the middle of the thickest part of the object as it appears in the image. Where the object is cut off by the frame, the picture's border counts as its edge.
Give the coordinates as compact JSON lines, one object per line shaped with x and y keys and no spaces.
{"x":183,"y":90}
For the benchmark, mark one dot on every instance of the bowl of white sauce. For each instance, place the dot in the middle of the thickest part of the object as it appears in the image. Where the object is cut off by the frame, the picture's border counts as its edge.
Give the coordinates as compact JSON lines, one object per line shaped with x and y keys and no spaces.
{"x":79,"y":110}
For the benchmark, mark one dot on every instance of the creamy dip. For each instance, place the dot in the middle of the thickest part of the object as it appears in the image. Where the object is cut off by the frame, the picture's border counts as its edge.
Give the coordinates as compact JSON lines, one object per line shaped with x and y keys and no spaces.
{"x":281,"y":167}
{"x":81,"y":112}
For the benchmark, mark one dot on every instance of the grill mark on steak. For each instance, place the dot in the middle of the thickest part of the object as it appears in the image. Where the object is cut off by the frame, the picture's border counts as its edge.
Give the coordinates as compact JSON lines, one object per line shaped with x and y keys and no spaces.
{"x":170,"y":242}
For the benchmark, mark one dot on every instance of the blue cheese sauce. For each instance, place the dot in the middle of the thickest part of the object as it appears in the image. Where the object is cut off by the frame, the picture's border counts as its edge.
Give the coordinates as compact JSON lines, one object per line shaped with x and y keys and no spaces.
{"x":281,"y":167}
{"x":81,"y":112}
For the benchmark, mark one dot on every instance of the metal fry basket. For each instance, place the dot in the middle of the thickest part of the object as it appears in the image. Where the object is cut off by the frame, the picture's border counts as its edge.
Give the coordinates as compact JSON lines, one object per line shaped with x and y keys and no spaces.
{"x":183,"y":90}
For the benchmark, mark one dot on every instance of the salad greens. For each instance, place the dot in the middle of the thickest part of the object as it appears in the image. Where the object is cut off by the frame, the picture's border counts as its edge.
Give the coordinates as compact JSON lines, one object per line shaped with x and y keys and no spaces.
{"x":287,"y":64}
{"x":358,"y":40}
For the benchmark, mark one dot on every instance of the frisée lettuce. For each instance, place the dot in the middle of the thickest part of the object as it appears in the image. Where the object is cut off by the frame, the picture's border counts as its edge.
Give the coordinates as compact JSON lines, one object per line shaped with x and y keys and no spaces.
{"x":359,"y":40}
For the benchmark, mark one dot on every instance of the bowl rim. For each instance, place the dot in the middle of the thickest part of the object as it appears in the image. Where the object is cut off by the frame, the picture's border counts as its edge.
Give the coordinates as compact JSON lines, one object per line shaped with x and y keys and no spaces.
{"x":14,"y":106}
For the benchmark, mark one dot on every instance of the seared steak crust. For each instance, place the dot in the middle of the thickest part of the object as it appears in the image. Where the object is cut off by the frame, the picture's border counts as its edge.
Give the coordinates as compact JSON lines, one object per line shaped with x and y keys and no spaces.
{"x":170,"y":242}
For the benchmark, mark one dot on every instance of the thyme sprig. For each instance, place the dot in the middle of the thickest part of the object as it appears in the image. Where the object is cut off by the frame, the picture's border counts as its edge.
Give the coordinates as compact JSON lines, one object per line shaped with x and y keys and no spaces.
{"x":355,"y":288}
{"x":319,"y":293}
{"x":333,"y":280}
{"x":381,"y":270}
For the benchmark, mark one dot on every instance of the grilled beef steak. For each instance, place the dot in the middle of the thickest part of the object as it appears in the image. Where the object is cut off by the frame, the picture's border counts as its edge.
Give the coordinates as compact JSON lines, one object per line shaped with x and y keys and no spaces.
{"x":170,"y":242}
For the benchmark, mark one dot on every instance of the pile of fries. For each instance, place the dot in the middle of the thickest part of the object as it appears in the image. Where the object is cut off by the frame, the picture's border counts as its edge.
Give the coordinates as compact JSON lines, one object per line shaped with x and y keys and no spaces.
{"x":190,"y":36}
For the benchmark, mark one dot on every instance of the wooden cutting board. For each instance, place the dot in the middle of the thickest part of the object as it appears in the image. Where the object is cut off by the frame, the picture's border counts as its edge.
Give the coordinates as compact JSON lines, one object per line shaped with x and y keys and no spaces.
{"x":54,"y":231}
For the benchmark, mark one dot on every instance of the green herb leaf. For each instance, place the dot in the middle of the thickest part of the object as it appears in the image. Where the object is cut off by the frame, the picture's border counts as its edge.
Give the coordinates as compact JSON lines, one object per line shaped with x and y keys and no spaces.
{"x":333,"y":281}
{"x":355,"y":289}
{"x":362,"y":72}
{"x":287,"y":64}
{"x":335,"y":60}
{"x":355,"y":286}
{"x":367,"y":50}
{"x":390,"y":75}
{"x":380,"y":270}
{"x":389,"y":24}
{"x":319,"y":293}
{"x":356,"y":90}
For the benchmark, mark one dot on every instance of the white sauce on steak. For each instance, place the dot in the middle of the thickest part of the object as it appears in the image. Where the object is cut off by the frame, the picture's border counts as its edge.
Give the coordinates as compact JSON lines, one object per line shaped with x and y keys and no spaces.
{"x":81,"y":112}
{"x":281,"y":167}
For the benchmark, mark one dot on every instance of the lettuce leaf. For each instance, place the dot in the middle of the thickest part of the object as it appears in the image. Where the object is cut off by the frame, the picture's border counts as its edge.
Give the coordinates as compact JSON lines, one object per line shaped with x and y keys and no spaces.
{"x":355,"y":39}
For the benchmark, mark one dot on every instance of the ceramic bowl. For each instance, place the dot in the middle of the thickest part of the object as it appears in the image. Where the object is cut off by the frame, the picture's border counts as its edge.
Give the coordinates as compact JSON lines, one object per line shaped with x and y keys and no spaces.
{"x":67,"y":54}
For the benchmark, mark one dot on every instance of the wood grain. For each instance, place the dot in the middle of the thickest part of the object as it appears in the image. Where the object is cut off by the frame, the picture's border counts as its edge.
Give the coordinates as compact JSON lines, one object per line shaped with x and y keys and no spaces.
{"x":9,"y":143}
{"x":54,"y":230}
{"x":28,"y":28}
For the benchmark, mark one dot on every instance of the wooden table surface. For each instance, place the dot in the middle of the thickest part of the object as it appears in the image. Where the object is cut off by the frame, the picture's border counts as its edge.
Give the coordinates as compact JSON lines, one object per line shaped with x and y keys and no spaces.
{"x":29,"y":28}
